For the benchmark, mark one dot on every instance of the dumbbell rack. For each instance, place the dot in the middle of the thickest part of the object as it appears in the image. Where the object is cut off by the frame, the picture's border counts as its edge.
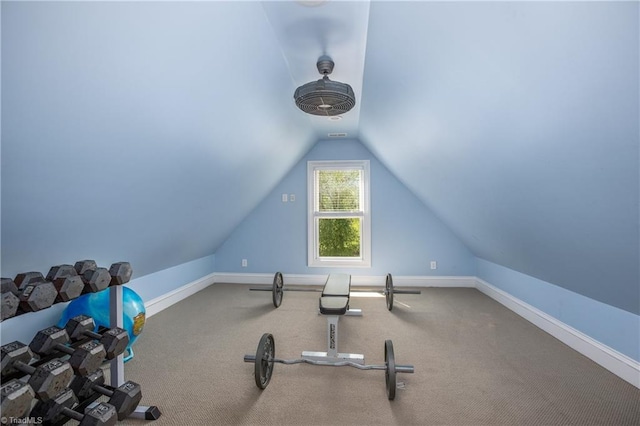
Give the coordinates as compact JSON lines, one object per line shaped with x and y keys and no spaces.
{"x":116,"y":311}
{"x":117,"y":364}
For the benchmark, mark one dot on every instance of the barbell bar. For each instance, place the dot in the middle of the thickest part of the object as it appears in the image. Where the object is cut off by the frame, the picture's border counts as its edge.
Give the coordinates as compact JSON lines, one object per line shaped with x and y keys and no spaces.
{"x":264,"y":360}
{"x":278,"y":289}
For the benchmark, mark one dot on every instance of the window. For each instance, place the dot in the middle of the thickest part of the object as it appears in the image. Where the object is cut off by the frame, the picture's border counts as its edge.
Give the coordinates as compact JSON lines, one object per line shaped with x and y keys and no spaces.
{"x":339,"y":222}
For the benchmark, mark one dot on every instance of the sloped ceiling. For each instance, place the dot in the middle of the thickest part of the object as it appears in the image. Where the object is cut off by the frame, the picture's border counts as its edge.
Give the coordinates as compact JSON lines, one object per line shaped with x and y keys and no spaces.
{"x":147,"y":131}
{"x":142,"y":131}
{"x":518,"y":124}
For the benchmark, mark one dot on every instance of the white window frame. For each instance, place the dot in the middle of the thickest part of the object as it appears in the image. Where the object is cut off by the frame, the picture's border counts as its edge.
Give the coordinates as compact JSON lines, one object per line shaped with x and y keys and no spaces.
{"x":313,"y":216}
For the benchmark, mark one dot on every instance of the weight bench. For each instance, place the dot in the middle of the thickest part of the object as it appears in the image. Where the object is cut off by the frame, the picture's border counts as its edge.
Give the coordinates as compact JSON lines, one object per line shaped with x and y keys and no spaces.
{"x":334,"y":302}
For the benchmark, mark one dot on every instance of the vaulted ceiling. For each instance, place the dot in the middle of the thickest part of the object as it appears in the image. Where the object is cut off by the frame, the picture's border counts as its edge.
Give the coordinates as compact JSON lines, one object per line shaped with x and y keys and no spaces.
{"x":515,"y":122}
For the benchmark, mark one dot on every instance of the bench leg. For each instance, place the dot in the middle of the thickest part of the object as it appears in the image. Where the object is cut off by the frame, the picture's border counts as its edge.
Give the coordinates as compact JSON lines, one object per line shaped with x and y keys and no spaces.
{"x":332,"y":355}
{"x":332,"y":335}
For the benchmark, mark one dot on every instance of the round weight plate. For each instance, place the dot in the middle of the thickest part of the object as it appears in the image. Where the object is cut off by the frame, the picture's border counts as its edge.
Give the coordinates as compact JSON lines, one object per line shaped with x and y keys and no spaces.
{"x":278,"y":284}
{"x":263,"y":366}
{"x":390,"y":372}
{"x":388,"y":291}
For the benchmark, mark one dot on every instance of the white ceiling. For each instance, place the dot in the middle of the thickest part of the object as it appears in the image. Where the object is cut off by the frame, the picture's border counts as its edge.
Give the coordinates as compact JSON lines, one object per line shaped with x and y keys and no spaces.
{"x":515,"y":122}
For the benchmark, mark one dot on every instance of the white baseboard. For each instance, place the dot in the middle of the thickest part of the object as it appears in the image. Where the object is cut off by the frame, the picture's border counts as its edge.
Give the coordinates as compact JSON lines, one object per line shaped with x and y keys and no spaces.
{"x":430,"y":281}
{"x":242,"y":278}
{"x":356,"y":280}
{"x":614,"y":361}
{"x":163,"y":302}
{"x":289,"y":279}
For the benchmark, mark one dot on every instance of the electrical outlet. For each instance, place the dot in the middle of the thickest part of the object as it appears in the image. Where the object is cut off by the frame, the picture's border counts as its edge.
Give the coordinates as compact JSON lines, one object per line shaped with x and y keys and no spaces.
{"x":434,"y":264}
{"x":244,"y":263}
{"x":292,"y":197}
{"x":284,"y":198}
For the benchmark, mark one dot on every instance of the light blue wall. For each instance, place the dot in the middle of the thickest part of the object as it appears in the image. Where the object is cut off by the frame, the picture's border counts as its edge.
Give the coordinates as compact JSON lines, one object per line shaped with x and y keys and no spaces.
{"x":616,"y":328}
{"x":154,"y":285}
{"x":149,"y":287}
{"x":405,"y":233}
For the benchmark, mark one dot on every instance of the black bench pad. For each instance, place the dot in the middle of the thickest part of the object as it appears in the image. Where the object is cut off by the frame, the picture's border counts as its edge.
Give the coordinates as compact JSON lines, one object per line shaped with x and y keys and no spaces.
{"x":335,"y":295}
{"x":334,"y":305}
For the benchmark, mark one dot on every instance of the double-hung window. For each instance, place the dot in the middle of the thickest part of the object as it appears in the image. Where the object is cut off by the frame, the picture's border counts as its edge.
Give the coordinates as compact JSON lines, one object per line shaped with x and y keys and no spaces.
{"x":339,"y":220}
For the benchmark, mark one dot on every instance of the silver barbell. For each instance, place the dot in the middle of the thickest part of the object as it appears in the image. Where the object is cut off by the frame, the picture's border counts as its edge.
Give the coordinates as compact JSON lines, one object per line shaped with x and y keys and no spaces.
{"x":264,"y":360}
{"x":399,"y":368}
{"x":277,"y":290}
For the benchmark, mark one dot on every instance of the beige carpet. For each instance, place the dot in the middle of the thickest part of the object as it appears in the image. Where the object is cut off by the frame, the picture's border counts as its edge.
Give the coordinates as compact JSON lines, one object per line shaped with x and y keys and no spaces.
{"x":476,"y":363}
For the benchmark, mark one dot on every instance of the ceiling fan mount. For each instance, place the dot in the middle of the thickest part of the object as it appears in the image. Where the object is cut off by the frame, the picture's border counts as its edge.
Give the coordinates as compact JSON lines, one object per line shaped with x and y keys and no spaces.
{"x":325,"y":97}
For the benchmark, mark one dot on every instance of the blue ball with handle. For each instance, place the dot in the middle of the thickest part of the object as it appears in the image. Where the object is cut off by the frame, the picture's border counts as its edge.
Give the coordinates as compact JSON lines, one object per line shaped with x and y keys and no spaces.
{"x":96,"y":305}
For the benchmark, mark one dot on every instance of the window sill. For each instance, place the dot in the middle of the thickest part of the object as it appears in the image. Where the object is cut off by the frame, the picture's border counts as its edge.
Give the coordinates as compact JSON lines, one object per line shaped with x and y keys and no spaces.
{"x":334,"y":263}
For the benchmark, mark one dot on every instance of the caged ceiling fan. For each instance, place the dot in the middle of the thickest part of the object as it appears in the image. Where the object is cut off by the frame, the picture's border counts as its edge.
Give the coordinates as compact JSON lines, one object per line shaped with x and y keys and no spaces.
{"x":325,"y":97}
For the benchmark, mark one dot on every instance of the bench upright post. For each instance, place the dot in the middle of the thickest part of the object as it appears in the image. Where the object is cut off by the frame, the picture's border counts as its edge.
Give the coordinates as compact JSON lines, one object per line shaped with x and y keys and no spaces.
{"x":334,"y":302}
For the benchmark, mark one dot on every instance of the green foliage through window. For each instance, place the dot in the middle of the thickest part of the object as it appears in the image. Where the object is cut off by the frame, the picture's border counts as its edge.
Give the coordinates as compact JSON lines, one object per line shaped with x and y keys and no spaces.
{"x":339,"y":191}
{"x":339,"y":237}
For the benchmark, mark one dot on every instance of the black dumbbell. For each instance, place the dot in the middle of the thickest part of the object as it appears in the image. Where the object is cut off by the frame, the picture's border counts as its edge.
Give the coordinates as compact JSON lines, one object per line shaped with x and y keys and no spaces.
{"x":114,"y":340}
{"x":37,"y":292}
{"x":95,"y":279}
{"x":10,"y":299}
{"x":37,"y":295}
{"x":61,"y":271}
{"x":25,"y":278}
{"x":57,"y":409}
{"x":47,"y":379}
{"x":120,"y":273}
{"x":67,"y":282}
{"x":16,"y":398}
{"x":125,"y":397}
{"x":85,"y":359}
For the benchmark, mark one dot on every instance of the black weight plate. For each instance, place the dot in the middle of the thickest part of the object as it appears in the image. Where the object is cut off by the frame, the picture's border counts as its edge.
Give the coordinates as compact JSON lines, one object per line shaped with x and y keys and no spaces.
{"x":263,"y":364}
{"x":278,"y":291}
{"x":388,"y":291}
{"x":390,"y":372}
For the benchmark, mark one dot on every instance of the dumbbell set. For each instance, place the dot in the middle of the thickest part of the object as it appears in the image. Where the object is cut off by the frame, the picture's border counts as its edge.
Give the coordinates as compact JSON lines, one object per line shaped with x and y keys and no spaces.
{"x":31,"y":291}
{"x":66,"y":378}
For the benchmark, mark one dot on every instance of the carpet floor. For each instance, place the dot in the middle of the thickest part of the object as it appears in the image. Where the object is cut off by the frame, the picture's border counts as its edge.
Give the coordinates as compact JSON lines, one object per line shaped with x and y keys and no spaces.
{"x":476,"y":363}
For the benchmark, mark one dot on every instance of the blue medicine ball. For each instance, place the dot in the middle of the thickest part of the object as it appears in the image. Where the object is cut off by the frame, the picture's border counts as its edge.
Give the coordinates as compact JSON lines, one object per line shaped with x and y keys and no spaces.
{"x":96,"y":305}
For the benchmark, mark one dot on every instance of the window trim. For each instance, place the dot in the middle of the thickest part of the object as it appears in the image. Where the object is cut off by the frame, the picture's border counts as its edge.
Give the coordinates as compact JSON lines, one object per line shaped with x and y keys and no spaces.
{"x":313,"y":258}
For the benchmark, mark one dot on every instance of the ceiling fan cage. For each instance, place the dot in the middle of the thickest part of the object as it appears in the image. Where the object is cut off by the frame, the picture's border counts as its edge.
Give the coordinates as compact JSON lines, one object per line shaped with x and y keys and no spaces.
{"x":325,"y":97}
